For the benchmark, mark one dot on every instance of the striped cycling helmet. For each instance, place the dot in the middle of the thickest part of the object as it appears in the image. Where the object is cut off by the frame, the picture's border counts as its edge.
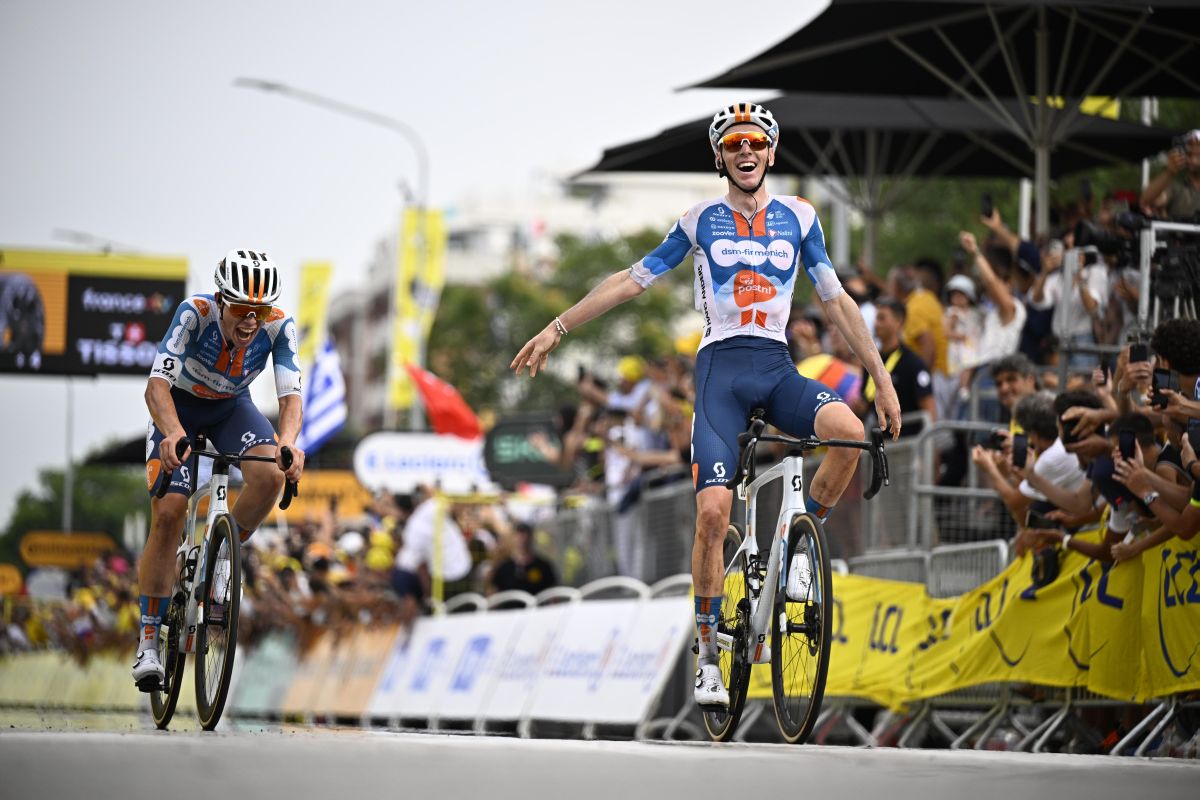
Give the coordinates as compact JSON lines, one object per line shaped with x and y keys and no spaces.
{"x":752,"y":113}
{"x":248,"y":276}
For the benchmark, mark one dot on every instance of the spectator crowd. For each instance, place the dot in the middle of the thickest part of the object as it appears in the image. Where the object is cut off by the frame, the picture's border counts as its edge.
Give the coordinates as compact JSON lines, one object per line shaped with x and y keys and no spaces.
{"x":1001,"y":317}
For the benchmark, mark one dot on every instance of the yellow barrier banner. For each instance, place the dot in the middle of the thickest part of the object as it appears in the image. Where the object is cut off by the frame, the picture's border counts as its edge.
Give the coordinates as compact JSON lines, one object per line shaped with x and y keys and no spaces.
{"x":313,"y":310}
{"x":1129,"y":631}
{"x":62,"y":549}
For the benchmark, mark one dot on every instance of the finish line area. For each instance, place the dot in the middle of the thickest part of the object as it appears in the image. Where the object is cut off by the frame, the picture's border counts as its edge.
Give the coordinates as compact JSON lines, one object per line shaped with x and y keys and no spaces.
{"x":110,"y":759}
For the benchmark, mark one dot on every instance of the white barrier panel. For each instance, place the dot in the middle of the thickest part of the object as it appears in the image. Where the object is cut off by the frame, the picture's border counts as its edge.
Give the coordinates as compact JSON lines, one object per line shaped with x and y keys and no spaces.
{"x":600,"y":661}
{"x":477,"y":664}
{"x":510,"y":695}
{"x":611,"y":660}
{"x":644,"y":659}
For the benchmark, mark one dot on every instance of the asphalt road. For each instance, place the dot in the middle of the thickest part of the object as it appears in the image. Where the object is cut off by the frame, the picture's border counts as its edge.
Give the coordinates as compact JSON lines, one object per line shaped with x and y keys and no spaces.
{"x":269,"y":763}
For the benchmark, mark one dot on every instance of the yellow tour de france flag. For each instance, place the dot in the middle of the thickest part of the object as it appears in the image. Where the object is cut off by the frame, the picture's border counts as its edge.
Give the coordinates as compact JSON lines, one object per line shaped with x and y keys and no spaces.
{"x":420,"y":274}
{"x":1128,"y":631}
{"x":313,"y":312}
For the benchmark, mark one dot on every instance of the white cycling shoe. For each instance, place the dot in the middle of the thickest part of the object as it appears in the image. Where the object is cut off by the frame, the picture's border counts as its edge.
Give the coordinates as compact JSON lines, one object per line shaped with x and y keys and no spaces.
{"x":799,"y":580}
{"x":148,"y":672}
{"x":711,"y":694}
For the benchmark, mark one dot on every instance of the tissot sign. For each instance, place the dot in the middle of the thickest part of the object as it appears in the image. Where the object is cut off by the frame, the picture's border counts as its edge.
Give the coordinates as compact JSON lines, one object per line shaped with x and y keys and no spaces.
{"x":85,"y":314}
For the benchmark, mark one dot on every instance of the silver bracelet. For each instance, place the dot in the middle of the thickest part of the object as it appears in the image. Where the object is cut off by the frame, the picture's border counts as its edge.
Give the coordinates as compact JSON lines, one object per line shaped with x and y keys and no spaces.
{"x":558,"y":326}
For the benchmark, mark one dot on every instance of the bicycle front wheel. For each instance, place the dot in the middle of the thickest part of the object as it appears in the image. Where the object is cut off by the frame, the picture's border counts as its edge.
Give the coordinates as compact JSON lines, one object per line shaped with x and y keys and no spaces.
{"x":162,"y":701}
{"x":734,"y":623}
{"x":216,"y":637}
{"x":800,"y":633}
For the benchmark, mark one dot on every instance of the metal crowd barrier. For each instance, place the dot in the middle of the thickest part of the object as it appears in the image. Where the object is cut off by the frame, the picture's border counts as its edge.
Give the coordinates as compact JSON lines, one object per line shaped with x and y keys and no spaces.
{"x":579,"y":542}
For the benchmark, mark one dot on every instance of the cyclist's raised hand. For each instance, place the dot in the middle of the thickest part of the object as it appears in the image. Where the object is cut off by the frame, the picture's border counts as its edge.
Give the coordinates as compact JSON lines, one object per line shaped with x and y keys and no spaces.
{"x":535,"y":352}
{"x":887,"y":409}
{"x":166,"y":451}
{"x":297,"y":468}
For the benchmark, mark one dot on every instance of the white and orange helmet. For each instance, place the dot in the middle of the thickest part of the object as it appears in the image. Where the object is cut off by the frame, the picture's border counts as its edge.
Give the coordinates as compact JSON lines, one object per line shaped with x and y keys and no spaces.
{"x":248,"y":276}
{"x":737,"y":113}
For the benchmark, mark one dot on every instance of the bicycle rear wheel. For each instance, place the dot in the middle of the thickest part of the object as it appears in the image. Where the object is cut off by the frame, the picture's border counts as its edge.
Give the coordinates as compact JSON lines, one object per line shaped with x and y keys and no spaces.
{"x":800,"y":635}
{"x":162,"y":701}
{"x":735,"y":622}
{"x":216,"y":638}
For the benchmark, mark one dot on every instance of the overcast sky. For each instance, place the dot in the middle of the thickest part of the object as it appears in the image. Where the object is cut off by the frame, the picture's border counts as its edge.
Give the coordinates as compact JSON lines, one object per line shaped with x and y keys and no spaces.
{"x":120,"y":120}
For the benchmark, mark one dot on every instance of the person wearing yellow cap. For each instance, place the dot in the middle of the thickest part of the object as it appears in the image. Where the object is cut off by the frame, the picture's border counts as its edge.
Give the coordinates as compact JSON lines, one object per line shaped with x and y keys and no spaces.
{"x":748,"y":249}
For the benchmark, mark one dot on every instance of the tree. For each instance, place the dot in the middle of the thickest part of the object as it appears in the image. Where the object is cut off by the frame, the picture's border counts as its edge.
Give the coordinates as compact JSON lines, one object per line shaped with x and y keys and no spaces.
{"x":478,"y":330}
{"x":104,"y":496}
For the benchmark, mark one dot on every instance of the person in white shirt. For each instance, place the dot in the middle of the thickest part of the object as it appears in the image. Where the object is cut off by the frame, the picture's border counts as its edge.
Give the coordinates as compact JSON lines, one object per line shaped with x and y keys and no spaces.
{"x":416,"y":554}
{"x":1076,"y":304}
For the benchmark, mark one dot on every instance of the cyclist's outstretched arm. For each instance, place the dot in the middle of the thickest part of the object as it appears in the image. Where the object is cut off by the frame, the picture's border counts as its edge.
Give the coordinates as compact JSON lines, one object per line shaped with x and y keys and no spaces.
{"x":843,"y":312}
{"x":608,"y":294}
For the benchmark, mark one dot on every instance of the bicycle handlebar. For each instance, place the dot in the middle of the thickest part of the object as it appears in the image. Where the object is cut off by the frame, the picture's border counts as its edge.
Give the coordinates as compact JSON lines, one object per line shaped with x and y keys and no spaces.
{"x":290,"y":489}
{"x":748,"y":440}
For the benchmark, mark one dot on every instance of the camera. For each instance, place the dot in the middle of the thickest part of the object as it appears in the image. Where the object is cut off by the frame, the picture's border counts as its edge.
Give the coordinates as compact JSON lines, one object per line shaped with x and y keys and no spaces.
{"x":1127,"y":443}
{"x":1020,"y":450}
{"x":986,"y":207}
{"x":1068,"y":433}
{"x":1039,"y":521}
{"x":1164,"y":379}
{"x":995,"y":441}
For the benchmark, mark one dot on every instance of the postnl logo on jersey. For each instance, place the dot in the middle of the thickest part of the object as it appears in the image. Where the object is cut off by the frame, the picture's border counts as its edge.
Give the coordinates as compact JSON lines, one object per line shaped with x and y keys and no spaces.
{"x":728,"y":253}
{"x":750,"y":288}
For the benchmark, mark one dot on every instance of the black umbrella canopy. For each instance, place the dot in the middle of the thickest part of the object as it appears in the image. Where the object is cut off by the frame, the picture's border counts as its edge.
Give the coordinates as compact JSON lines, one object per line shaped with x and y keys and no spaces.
{"x":866,"y":139}
{"x":982,"y":50}
{"x":1093,"y":47}
{"x":877,"y":136}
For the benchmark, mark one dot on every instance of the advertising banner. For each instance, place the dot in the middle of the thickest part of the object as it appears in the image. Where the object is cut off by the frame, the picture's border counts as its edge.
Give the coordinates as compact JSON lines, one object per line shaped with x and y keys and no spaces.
{"x":362,"y":669}
{"x":64,"y":313}
{"x":478,"y":663}
{"x":512,"y":693}
{"x":323,"y":486}
{"x":400,"y":462}
{"x":60,"y":549}
{"x":1129,"y":631}
{"x":267,"y":669}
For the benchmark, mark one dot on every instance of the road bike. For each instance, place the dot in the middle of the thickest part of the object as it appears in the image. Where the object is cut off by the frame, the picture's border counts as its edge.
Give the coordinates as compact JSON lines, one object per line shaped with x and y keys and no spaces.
{"x":755,"y":603}
{"x":202,"y":618}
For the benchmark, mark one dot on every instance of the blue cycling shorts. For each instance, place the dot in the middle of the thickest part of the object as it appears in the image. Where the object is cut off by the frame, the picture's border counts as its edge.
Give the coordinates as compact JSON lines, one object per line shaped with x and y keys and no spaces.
{"x":735,"y":376}
{"x":232,"y":425}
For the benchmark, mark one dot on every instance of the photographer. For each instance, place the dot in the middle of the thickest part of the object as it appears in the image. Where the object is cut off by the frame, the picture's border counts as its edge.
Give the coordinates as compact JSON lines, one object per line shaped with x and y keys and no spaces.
{"x":1180,"y":181}
{"x":1076,"y":307}
{"x":1048,"y":475}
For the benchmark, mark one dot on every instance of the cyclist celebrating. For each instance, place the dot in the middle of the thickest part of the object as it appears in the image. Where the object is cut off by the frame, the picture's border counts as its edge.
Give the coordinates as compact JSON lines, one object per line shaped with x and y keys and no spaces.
{"x":746,"y":247}
{"x":216,"y":346}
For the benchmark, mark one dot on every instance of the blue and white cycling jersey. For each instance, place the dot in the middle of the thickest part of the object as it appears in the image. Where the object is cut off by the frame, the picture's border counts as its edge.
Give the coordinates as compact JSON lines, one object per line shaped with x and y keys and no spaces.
{"x":745,"y":269}
{"x":194,"y":357}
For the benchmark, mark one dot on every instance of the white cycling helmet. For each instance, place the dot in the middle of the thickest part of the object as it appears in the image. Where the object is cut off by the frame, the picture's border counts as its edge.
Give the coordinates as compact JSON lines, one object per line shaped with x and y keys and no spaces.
{"x":248,"y":276}
{"x":737,"y":113}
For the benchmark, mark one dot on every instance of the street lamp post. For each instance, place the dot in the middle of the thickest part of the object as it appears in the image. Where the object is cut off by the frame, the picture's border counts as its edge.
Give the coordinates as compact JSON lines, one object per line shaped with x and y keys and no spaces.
{"x":409,"y":134}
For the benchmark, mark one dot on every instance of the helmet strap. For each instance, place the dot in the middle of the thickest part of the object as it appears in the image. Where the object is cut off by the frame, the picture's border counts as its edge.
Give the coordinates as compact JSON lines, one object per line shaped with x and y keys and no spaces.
{"x":723,"y":172}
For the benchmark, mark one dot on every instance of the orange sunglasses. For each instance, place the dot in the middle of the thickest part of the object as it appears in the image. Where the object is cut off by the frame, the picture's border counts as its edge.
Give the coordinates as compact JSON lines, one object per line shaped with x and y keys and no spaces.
{"x":243,"y":310}
{"x":758,"y":141}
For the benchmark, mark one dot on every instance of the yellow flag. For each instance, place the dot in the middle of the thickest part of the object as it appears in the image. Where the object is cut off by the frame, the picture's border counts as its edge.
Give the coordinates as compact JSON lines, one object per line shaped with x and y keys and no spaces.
{"x":314,"y":308}
{"x":420,"y":275}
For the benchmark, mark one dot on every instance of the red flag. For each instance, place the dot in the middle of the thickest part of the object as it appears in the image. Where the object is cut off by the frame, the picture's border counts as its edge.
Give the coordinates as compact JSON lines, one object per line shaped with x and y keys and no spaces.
{"x":447,"y":411}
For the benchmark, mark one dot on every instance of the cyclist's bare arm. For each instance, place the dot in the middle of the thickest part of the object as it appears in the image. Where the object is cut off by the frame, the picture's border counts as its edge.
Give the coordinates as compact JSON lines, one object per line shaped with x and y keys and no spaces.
{"x":608,"y":294}
{"x":843,"y":312}
{"x":166,"y":419}
{"x":291,"y":415}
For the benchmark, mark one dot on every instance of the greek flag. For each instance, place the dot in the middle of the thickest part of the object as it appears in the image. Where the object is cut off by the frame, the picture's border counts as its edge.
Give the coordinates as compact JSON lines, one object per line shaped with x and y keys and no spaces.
{"x":324,"y":401}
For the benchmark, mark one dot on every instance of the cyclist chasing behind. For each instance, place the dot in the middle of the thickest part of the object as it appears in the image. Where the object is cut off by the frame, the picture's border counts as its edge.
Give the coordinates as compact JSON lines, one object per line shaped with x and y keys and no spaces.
{"x":200,"y":383}
{"x":746,"y":247}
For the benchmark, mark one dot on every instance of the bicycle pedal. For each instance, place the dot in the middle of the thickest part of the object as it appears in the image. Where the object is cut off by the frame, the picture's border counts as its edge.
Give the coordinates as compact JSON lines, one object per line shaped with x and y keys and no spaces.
{"x":714,"y":708}
{"x":149,"y":684}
